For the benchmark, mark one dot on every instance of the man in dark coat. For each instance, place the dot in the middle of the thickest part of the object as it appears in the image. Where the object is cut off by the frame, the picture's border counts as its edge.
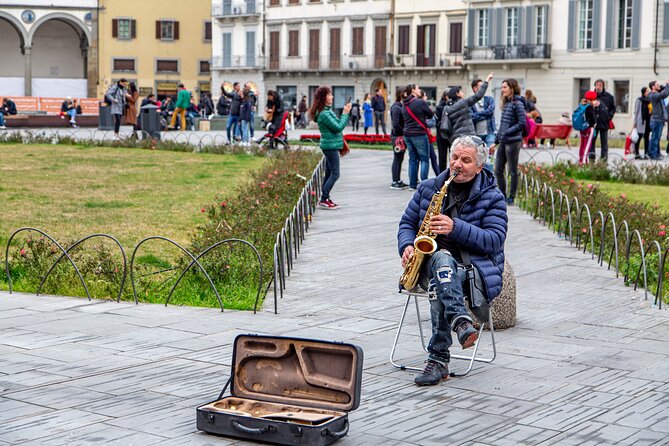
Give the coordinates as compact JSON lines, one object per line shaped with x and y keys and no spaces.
{"x":605,"y":112}
{"x":233,"y":118}
{"x":379,"y":107}
{"x":472,"y":221}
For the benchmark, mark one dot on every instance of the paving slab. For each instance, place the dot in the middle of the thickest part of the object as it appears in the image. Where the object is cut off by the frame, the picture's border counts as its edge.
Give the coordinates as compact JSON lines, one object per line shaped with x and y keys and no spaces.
{"x":586,"y":363}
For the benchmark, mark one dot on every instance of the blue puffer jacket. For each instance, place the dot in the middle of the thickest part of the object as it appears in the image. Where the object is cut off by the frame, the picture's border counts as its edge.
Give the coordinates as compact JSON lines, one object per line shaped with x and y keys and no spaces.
{"x":480,"y":229}
{"x":512,"y":123}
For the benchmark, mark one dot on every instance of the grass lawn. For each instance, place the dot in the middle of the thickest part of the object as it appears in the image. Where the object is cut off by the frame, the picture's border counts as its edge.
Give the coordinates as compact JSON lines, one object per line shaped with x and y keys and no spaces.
{"x":73,"y":191}
{"x":639,"y":192}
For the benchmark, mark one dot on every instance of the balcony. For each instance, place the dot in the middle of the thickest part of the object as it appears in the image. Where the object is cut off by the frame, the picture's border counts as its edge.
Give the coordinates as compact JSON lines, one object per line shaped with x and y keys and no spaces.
{"x":327,"y":63}
{"x":443,"y":61}
{"x":238,"y":8}
{"x":237,"y":63}
{"x":508,"y":53}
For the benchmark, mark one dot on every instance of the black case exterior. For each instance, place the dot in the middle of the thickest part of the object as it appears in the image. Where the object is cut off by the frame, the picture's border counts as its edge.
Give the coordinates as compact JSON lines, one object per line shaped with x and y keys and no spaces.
{"x":280,"y":432}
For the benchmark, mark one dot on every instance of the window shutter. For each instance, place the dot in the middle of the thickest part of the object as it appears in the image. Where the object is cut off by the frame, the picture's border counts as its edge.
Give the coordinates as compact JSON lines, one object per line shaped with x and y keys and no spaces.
{"x":547,"y":30}
{"x":636,"y":24}
{"x":176,"y":30}
{"x":380,"y":34}
{"x":455,"y":46}
{"x":530,"y":25}
{"x":314,"y":48}
{"x":499,"y":26}
{"x":133,"y":28}
{"x":665,"y":23}
{"x":274,"y":50}
{"x":158,"y":31}
{"x":420,"y":45}
{"x":573,"y":24}
{"x":610,"y":26}
{"x":335,"y":48}
{"x":114,"y":28}
{"x":596,"y":25}
{"x":471,"y":17}
{"x":520,"y":17}
{"x":491,"y":26}
{"x":207,"y":31}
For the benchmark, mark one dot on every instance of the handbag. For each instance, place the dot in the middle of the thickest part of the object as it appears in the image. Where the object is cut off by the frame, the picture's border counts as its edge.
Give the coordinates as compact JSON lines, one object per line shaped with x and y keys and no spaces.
{"x":399,"y":145}
{"x":345,"y":149}
{"x":611,"y":125}
{"x":634,"y":135}
{"x":445,"y":126}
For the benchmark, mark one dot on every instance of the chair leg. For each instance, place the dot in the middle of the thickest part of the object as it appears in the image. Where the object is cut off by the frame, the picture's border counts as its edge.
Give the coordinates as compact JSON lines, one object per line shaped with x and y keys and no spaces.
{"x":473,"y":357}
{"x":399,"y":330}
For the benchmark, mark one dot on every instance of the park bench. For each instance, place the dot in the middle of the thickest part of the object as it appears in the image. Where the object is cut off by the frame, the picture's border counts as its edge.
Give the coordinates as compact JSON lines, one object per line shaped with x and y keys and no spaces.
{"x":553,"y":131}
{"x":45,"y":112}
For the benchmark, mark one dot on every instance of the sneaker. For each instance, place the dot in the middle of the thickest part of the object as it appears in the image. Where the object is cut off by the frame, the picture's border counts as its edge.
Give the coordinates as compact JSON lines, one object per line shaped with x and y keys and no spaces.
{"x":412,"y":188}
{"x":509,"y":200}
{"x":398,"y":185}
{"x":332,"y":204}
{"x":467,"y":334}
{"x":433,"y":373}
{"x":2,"y":127}
{"x":328,"y":204}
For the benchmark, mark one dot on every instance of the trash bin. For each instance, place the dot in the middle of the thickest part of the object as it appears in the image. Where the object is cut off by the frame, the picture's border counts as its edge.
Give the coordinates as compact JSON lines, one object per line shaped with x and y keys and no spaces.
{"x":150,"y":120}
{"x":105,"y":119}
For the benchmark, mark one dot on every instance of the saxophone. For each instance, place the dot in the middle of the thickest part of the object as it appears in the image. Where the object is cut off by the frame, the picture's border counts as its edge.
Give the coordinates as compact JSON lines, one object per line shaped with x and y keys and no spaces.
{"x":424,"y":244}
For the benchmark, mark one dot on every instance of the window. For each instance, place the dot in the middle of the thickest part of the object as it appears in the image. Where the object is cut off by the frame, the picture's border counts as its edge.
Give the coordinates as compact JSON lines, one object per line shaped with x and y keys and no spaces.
{"x":624,"y":23}
{"x":541,"y":12}
{"x":426,"y":45}
{"x":455,"y":45}
{"x":289,"y":95}
{"x":227,"y":49}
{"x":358,"y":43}
{"x":124,"y":29}
{"x":294,"y":2}
{"x":203,"y":67}
{"x":207,"y":31}
{"x":482,"y":38}
{"x":293,"y":42}
{"x":274,"y":2}
{"x":167,"y":66}
{"x":314,"y":48}
{"x":123,"y":65}
{"x":511,"y":26}
{"x":621,"y":93}
{"x":380,"y":33}
{"x":167,"y":30}
{"x":403,"y":39}
{"x":585,"y":18}
{"x":582,"y":85}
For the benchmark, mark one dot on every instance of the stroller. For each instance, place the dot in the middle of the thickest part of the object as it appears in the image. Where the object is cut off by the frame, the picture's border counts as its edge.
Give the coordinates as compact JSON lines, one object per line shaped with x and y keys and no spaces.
{"x":278,"y":138}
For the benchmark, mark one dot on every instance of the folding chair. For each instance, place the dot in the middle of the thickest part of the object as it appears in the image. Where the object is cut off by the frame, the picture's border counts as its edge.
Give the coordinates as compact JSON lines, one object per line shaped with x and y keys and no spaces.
{"x":474,"y":357}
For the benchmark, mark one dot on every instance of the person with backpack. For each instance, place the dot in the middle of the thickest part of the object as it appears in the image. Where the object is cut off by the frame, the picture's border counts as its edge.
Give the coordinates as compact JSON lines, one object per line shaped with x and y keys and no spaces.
{"x":509,"y":138}
{"x":416,"y":113}
{"x":584,"y":119}
{"x":115,"y":97}
{"x":605,"y":112}
{"x":355,"y":115}
{"x":657,"y":116}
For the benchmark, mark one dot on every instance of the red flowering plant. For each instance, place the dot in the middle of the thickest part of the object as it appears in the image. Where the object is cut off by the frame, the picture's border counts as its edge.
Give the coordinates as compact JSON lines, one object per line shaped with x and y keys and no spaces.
{"x":648,"y":220}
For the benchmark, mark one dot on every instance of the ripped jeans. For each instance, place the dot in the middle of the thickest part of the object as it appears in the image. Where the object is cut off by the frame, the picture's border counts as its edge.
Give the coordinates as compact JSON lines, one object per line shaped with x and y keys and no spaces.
{"x":447,"y":308}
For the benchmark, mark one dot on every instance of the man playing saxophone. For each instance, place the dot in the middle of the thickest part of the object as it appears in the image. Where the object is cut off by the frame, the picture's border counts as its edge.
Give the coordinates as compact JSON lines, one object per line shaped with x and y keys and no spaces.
{"x":472,"y":224}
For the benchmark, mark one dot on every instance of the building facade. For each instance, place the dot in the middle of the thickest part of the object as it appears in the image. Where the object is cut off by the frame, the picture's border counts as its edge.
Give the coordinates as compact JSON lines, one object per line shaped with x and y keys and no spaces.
{"x":237,"y":43}
{"x":48,"y":48}
{"x":156,"y":47}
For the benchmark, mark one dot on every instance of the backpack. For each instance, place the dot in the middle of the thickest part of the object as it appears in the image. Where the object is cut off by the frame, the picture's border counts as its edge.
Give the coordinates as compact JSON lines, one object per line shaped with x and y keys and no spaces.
{"x":109,"y":93}
{"x":527,"y":129}
{"x":445,"y":126}
{"x":578,"y":121}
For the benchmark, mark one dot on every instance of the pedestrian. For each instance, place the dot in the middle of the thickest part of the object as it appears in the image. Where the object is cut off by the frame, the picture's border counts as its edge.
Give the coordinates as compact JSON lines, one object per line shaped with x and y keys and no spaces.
{"x":367,"y":112}
{"x":250,"y":93}
{"x":589,"y":103}
{"x":509,"y":137}
{"x":131,"y":97}
{"x":397,"y":135}
{"x":657,"y":116}
{"x":233,"y":117}
{"x":355,"y":115}
{"x":223,"y":105}
{"x":116,"y":97}
{"x":379,"y":107}
{"x":443,"y":141}
{"x":332,"y":139}
{"x":273,"y":115}
{"x":416,"y":113}
{"x":245,"y":110}
{"x":69,"y":108}
{"x":483,"y":115}
{"x":605,"y":112}
{"x":302,"y":114}
{"x":192,"y":112}
{"x":182,"y":104}
{"x":7,"y":108}
{"x":642,"y":123}
{"x":167,"y":108}
{"x":206,"y":106}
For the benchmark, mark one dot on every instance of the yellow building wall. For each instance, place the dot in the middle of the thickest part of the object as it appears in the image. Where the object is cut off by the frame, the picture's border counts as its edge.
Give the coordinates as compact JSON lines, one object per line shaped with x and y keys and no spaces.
{"x":145,"y":48}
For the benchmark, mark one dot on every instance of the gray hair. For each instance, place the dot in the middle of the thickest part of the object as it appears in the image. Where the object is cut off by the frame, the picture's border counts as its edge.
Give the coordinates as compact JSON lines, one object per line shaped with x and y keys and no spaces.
{"x":475,"y":142}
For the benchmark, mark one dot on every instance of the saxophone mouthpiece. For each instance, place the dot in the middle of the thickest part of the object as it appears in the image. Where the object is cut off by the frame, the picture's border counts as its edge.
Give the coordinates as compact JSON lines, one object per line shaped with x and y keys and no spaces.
{"x":456,"y":173}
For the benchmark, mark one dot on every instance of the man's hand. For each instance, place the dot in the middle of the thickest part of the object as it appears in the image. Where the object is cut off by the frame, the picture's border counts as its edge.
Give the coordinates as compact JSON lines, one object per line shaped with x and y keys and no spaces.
{"x":441,"y":224}
{"x":406,"y":255}
{"x":492,"y":148}
{"x":347,"y":108}
{"x":489,"y":78}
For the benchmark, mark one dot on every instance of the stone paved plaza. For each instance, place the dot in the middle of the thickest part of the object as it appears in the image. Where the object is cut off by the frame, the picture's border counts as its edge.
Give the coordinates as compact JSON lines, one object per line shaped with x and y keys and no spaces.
{"x":586,"y":364}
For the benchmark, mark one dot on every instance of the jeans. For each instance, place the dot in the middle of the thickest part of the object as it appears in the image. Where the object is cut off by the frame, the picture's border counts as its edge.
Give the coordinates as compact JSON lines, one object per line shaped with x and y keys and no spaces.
{"x":251,"y":122}
{"x":331,"y":172}
{"x":396,"y":169}
{"x":507,"y":153}
{"x":419,"y":151}
{"x":604,"y":139}
{"x":379,"y":117}
{"x":233,"y":121}
{"x":656,"y":128}
{"x":72,"y":113}
{"x":488,"y":139}
{"x":245,"y":130}
{"x":2,"y":119}
{"x":448,"y":308}
{"x":355,"y":123}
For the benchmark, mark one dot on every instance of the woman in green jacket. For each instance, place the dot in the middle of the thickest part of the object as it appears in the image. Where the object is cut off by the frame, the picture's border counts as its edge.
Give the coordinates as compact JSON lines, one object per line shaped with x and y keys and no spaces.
{"x":332,"y":139}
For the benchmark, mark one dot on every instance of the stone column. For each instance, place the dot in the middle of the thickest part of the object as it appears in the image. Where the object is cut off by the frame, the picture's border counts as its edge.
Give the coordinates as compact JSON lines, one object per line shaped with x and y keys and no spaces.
{"x":28,"y":74}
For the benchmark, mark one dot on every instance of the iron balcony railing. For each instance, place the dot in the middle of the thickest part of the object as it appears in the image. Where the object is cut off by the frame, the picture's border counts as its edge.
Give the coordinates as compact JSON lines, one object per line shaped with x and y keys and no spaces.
{"x":508,"y":52}
{"x":327,"y":62}
{"x":240,"y":62}
{"x":227,"y":8}
{"x":443,"y":60}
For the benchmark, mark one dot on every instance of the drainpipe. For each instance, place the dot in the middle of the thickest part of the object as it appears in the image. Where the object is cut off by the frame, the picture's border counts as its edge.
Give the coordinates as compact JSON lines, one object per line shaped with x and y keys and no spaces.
{"x":657,"y":21}
{"x":391,"y":53}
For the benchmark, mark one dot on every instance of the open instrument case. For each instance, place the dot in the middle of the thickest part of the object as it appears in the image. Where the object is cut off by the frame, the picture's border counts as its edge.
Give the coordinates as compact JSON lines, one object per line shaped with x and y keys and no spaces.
{"x":287,"y":391}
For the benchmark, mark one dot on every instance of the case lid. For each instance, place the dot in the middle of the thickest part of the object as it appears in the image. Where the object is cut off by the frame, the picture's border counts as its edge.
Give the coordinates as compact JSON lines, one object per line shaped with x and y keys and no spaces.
{"x":304,"y":372}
